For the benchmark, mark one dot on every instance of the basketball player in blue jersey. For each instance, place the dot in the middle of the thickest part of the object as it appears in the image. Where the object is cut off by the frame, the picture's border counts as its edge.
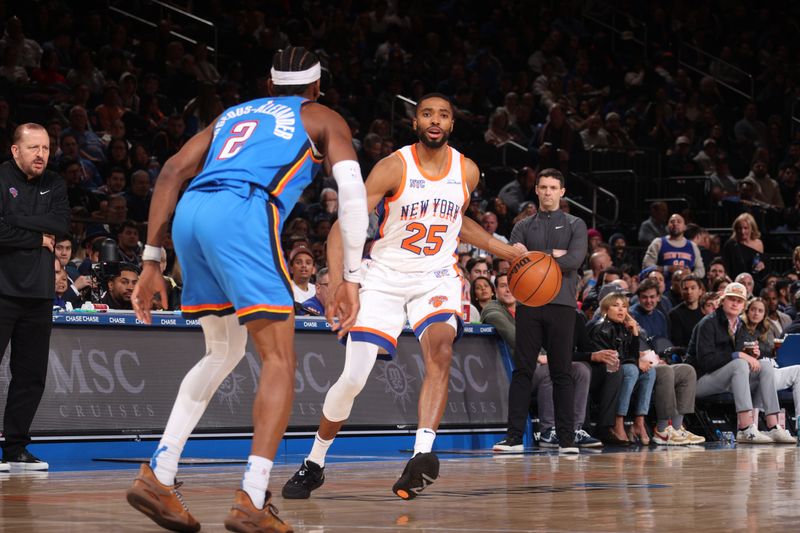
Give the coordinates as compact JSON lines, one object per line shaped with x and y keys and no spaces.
{"x":421,"y":192}
{"x":251,"y":166}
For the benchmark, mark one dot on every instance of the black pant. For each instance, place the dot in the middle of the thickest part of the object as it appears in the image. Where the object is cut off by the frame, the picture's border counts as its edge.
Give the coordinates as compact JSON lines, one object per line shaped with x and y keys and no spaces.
{"x":551,"y":327}
{"x":604,"y":390}
{"x":27,"y":323}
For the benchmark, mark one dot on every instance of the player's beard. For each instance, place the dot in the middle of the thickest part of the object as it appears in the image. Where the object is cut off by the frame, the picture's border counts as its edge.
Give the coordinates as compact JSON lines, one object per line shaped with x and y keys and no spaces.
{"x":430,"y":143}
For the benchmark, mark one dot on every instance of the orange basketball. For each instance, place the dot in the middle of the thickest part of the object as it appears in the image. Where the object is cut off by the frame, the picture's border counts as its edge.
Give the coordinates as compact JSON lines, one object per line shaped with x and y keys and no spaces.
{"x":534,"y":278}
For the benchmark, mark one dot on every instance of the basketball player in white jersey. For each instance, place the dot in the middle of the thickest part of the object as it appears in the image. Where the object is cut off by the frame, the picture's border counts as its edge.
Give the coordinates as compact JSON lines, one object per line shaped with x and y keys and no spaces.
{"x":420,"y":192}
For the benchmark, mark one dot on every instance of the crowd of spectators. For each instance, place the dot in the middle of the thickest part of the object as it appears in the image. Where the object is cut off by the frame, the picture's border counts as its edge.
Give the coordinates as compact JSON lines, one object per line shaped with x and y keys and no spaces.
{"x":119,"y":99}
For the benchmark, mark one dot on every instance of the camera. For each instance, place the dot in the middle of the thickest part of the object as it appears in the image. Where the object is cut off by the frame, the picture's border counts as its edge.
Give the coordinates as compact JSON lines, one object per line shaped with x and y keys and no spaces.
{"x":107,"y":267}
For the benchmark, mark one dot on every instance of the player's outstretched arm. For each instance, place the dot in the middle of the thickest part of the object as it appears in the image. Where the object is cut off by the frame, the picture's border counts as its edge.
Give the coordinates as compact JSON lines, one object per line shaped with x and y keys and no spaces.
{"x":472,"y":232}
{"x":186,"y":164}
{"x":382,"y":181}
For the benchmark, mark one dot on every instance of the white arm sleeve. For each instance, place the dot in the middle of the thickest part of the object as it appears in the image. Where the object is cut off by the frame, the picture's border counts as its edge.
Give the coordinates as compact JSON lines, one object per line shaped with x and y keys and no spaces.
{"x":353,"y":216}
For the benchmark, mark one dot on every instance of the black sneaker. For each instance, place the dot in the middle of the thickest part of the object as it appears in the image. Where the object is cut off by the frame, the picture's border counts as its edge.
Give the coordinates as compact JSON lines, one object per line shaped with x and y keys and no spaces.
{"x":420,"y":471}
{"x":24,"y":460}
{"x":310,"y":476}
{"x":512,"y":443}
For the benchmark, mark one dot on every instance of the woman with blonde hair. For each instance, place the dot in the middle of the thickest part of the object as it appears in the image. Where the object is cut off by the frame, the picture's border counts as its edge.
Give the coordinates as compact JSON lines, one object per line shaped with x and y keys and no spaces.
{"x":744,"y":251}
{"x":754,"y":320}
{"x":617,"y":330}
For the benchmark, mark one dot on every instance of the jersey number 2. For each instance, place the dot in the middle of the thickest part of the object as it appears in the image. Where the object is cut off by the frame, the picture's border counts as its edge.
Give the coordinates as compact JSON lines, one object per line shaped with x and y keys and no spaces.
{"x":240,"y":132}
{"x":433,"y":239}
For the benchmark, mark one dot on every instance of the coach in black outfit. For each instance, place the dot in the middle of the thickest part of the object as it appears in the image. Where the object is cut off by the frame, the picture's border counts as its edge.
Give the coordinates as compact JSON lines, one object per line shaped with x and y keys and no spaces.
{"x":33,"y":209}
{"x":564,"y":237}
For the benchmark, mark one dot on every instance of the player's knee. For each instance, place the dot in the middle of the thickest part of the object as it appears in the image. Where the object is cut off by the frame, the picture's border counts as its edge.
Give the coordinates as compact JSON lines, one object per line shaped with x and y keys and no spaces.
{"x":352,"y":384}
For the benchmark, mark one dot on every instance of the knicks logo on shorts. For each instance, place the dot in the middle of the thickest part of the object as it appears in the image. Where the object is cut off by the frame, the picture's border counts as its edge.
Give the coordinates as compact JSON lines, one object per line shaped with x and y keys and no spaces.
{"x":437,"y":301}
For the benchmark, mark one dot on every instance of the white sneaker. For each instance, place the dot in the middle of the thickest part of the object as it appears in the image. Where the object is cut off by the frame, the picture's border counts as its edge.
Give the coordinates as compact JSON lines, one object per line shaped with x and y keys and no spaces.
{"x":4,"y":466}
{"x":781,"y":436}
{"x":751,"y":435}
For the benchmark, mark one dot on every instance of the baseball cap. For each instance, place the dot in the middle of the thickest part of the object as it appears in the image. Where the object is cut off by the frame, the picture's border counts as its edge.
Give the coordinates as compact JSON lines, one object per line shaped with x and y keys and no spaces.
{"x":300,"y":250}
{"x":683,"y":139}
{"x":737,"y":290}
{"x":709,"y":141}
{"x":611,"y":288}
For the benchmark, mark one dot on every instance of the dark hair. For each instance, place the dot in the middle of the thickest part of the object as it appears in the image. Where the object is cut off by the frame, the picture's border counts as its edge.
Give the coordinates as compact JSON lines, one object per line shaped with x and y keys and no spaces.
{"x":647,"y":285}
{"x":292,"y":59}
{"x":718,"y":261}
{"x":692,"y":277}
{"x":472,"y":296}
{"x":601,"y":277}
{"x":693,"y":230}
{"x":129,"y":224}
{"x":474,"y":261}
{"x":67,"y":162}
{"x":766,"y":290}
{"x":550,"y":173}
{"x":128,"y":267}
{"x":496,"y":262}
{"x":428,"y":96}
{"x":497,"y":280}
{"x":65,"y":237}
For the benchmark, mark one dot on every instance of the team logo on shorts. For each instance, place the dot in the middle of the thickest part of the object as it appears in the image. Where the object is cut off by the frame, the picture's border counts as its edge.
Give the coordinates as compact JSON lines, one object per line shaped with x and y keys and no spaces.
{"x":13,"y":192}
{"x":437,"y":301}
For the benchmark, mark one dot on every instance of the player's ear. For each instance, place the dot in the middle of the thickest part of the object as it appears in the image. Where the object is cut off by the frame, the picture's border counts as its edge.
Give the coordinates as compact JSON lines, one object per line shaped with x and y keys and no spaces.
{"x":315,"y":90}
{"x":414,"y":124}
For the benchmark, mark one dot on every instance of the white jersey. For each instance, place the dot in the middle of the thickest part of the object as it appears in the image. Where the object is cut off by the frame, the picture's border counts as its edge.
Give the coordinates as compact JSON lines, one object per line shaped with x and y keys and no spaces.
{"x":419,"y":225}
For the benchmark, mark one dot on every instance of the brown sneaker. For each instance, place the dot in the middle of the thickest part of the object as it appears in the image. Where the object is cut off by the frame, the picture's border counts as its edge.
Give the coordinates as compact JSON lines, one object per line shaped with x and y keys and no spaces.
{"x":245,"y":518}
{"x":162,"y":504}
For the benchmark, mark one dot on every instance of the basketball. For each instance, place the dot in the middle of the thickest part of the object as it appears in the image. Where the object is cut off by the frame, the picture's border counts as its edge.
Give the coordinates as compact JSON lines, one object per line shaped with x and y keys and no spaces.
{"x":534,"y":279}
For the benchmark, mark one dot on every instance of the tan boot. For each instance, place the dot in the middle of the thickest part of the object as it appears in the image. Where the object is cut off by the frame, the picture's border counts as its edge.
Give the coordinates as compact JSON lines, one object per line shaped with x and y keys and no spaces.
{"x":162,"y":504}
{"x":244,"y":517}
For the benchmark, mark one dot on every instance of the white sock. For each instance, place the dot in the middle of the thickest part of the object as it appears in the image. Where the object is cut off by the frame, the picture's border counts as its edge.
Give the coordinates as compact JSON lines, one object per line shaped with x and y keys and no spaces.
{"x":165,"y":459}
{"x":256,"y":479}
{"x":319,"y":450}
{"x":424,"y":442}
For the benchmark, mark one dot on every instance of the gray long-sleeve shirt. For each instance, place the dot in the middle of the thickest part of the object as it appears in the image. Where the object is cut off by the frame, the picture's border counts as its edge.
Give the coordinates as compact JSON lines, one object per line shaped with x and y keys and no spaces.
{"x":555,"y":230}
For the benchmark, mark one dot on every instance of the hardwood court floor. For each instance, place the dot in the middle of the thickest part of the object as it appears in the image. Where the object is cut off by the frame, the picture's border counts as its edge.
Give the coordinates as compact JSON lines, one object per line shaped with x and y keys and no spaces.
{"x":677,"y":489}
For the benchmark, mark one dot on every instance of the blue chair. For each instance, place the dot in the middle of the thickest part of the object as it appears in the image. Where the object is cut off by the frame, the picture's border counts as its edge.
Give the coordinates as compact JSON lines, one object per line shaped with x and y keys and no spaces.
{"x":789,"y":353}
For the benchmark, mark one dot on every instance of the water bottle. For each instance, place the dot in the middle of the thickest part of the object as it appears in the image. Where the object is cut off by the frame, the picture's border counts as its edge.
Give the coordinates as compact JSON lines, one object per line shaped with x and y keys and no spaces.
{"x":756,"y":261}
{"x":730,"y":439}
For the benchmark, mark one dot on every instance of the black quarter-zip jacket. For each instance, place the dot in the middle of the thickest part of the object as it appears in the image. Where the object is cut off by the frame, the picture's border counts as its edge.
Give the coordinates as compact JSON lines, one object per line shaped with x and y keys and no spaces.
{"x":28,"y":209}
{"x":555,"y":230}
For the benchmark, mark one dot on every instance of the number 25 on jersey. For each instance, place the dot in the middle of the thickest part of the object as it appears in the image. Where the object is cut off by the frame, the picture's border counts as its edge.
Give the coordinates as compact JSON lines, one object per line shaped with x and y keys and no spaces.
{"x":431,"y":235}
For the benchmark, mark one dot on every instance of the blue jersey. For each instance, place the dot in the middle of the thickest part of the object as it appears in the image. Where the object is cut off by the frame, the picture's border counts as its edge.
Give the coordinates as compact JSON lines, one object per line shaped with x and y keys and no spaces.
{"x":261,"y":143}
{"x":670,"y":255}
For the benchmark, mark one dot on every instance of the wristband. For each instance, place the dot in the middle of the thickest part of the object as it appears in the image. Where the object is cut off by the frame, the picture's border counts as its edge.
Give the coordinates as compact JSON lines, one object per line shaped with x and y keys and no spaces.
{"x":152,"y":253}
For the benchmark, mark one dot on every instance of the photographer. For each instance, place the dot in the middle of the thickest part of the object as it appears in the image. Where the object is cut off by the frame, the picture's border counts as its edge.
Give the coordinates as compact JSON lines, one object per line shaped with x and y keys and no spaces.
{"x":120,"y":286}
{"x":33,"y":209}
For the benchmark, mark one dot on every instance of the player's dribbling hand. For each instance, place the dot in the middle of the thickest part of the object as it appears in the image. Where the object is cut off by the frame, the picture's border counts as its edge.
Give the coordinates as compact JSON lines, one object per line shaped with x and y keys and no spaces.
{"x":150,"y":282}
{"x":341,"y":312}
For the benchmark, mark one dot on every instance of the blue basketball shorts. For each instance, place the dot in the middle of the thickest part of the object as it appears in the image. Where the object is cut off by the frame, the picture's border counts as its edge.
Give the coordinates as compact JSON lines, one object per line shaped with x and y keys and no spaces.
{"x":229,"y":250}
